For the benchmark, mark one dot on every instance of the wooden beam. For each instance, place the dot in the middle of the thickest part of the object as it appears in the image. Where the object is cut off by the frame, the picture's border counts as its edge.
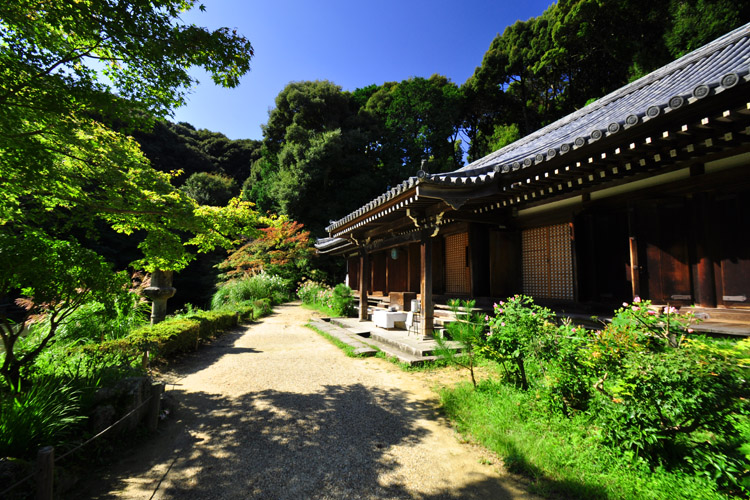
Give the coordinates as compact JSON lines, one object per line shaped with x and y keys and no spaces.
{"x":456,"y":197}
{"x":393,"y":241}
{"x":494,"y":217}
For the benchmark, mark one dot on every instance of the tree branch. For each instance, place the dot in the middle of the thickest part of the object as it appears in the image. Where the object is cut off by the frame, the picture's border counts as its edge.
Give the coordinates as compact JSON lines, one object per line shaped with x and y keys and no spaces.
{"x":122,"y":211}
{"x":27,"y":134}
{"x":66,"y":58}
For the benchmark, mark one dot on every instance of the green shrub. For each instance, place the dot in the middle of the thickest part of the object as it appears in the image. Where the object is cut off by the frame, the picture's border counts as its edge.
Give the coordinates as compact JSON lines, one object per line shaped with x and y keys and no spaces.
{"x":259,"y":286}
{"x":91,"y":363}
{"x":342,"y":300}
{"x":47,"y":413}
{"x":168,"y":337}
{"x":337,"y":301}
{"x":652,"y":391}
{"x":563,"y":457}
{"x":517,"y":332}
{"x":678,"y":407}
{"x":95,"y":321}
{"x":214,"y":322}
{"x":468,"y":331}
{"x":310,"y":291}
{"x":244,"y":309}
{"x":262,"y":307}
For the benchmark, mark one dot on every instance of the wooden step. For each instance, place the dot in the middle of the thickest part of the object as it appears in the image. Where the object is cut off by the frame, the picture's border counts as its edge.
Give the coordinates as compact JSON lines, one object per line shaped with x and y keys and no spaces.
{"x":719,"y":314}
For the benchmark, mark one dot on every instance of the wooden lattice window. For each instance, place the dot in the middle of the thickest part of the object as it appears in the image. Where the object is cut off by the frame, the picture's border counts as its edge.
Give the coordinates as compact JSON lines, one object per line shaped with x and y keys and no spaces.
{"x":457,"y":272}
{"x":548,"y":262}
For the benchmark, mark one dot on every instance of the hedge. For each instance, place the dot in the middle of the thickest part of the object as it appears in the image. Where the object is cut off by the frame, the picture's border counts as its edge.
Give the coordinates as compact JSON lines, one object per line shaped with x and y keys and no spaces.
{"x":262,"y":307}
{"x":214,"y":322}
{"x":168,"y":337}
{"x":245,"y":310}
{"x":173,"y":335}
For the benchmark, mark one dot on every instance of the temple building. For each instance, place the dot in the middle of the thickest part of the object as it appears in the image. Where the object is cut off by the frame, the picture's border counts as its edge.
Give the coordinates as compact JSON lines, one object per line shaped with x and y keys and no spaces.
{"x":645,"y":192}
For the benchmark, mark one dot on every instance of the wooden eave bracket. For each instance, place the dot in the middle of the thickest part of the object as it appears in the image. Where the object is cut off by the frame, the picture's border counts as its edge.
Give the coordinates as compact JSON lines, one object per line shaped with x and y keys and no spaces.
{"x":415,"y":217}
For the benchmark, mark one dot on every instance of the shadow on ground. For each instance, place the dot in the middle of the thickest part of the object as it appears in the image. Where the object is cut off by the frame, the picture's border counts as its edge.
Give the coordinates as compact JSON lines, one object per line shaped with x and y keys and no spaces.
{"x":517,"y":462}
{"x":208,"y":353}
{"x":330,"y":444}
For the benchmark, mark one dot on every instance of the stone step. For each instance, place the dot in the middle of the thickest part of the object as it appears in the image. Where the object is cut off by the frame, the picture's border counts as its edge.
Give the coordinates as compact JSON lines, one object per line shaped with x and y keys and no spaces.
{"x":360,"y":347}
{"x":409,"y":349}
{"x":403,"y":357}
{"x":416,"y":347}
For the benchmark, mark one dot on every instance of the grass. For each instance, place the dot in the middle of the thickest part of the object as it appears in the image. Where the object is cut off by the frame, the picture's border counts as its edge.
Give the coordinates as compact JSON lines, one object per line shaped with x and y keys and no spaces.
{"x":321,"y":309}
{"x":562,"y":457}
{"x":48,"y":413}
{"x":423,"y":367}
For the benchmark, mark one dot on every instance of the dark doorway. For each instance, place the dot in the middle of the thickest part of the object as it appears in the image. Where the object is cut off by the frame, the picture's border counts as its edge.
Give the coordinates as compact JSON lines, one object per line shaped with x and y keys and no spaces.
{"x":663,"y":236}
{"x":732,"y":219}
{"x":603,"y":257}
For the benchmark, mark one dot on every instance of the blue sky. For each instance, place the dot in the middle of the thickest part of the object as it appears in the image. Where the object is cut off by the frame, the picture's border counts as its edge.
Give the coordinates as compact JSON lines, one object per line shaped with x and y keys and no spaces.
{"x":351,"y":43}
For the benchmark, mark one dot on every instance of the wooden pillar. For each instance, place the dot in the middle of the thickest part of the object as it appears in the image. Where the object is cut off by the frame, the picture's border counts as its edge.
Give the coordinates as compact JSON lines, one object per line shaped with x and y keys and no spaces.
{"x":705,"y":289}
{"x":388,"y":274}
{"x":364,"y":277}
{"x":427,"y":312}
{"x":414,"y":268}
{"x":635,"y":268}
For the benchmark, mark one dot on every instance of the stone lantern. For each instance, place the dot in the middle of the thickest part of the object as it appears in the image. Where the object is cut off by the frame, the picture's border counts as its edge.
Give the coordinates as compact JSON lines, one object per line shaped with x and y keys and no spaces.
{"x":160,"y":290}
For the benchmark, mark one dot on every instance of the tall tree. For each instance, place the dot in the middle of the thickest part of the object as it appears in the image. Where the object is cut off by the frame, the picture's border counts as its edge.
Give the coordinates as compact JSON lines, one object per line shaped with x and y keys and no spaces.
{"x":179,"y":146}
{"x":314,"y":144}
{"x":697,"y":22}
{"x":210,"y":189}
{"x":60,"y":159}
{"x":578,"y":50}
{"x":419,"y":120}
{"x":65,"y":170}
{"x":283,"y":248}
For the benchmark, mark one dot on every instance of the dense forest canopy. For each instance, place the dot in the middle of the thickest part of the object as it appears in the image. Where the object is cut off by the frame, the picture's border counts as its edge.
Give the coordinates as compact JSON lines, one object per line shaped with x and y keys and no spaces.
{"x":539,"y":70}
{"x":327,"y":151}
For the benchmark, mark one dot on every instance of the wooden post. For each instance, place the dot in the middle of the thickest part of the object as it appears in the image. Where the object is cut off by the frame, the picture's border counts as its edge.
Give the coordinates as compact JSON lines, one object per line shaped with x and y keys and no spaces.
{"x":154,"y":406}
{"x":635,"y":269}
{"x":388,"y":263}
{"x":705,"y":286}
{"x":364,"y":274}
{"x":426,"y":320}
{"x":45,"y":468}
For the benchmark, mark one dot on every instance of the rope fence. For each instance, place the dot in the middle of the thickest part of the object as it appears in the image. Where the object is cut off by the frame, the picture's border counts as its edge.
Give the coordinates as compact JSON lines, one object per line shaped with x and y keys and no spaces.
{"x":45,"y":457}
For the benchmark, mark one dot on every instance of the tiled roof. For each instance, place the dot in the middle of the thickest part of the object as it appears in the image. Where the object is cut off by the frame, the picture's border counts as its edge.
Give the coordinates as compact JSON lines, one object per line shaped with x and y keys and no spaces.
{"x":325,"y":245}
{"x":711,"y":69}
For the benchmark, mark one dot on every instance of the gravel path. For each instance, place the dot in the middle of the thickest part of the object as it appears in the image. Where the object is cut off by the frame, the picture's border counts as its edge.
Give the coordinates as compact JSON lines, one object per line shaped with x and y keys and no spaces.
{"x":273,"y":410}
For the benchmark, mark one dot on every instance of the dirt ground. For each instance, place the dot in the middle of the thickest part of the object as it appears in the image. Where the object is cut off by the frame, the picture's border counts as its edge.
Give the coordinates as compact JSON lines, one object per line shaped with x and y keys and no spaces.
{"x":273,"y":410}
